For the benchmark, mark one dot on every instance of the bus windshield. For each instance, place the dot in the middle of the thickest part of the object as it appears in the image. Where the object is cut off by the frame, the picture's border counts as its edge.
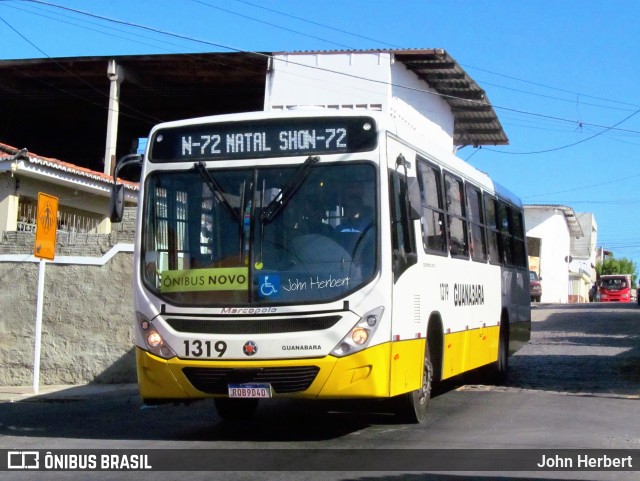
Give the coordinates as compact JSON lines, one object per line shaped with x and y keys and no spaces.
{"x":259,"y":236}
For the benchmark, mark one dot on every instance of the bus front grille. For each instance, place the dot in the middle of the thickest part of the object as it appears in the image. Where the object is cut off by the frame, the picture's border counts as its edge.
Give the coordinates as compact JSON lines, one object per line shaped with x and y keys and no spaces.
{"x":282,"y":379}
{"x":253,"y":326}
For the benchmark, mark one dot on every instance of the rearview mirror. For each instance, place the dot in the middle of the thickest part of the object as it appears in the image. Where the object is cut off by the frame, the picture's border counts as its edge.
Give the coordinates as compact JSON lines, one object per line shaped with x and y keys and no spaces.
{"x":116,"y":208}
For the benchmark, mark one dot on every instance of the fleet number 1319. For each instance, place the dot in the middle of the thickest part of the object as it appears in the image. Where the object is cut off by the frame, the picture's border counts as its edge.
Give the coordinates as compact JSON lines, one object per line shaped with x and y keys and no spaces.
{"x":198,"y":348}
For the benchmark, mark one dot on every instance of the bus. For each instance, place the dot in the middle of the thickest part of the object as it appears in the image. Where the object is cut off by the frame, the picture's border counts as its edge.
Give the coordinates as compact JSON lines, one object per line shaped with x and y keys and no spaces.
{"x":615,"y":288}
{"x":319,"y":255}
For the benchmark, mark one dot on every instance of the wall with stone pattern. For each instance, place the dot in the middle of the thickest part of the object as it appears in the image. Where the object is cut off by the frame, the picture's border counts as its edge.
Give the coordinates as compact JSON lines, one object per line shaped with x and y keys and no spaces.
{"x":87,"y":312}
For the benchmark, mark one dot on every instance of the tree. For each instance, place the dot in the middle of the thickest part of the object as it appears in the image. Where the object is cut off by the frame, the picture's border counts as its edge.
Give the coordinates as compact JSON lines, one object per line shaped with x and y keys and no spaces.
{"x":617,"y":266}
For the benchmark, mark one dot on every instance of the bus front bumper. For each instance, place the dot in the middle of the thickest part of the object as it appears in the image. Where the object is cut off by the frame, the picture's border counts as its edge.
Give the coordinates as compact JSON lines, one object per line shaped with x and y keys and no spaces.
{"x":366,"y":374}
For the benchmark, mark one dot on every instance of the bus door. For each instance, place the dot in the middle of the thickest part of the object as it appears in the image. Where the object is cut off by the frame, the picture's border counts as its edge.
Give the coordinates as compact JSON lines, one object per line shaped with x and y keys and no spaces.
{"x":407,"y":353}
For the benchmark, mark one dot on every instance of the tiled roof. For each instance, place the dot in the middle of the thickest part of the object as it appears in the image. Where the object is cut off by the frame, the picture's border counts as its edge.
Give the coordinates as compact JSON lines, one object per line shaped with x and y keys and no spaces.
{"x":8,"y":152}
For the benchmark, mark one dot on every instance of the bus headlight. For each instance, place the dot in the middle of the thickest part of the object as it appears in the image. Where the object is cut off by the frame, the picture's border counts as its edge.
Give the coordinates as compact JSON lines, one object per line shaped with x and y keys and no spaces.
{"x":154,"y":340}
{"x":359,"y":336}
{"x":155,"y":344}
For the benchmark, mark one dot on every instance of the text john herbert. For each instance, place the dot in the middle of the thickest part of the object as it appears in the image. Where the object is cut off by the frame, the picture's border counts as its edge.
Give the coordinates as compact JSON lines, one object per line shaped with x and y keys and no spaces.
{"x":584,"y":461}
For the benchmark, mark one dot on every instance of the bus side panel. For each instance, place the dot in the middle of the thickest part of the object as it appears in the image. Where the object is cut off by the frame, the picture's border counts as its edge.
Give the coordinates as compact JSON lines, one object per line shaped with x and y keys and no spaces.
{"x":469,"y":349}
{"x":482,"y":347}
{"x":407,"y":360}
{"x":519,"y":335}
{"x":454,"y":345}
{"x":516,"y":300}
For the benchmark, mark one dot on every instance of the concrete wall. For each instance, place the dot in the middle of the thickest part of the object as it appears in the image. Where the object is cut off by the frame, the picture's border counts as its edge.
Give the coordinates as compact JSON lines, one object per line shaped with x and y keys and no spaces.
{"x":87,"y":311}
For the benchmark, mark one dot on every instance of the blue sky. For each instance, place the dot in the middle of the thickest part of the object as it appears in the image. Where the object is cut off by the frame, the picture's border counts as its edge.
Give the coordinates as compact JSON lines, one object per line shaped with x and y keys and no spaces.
{"x":562,"y":75}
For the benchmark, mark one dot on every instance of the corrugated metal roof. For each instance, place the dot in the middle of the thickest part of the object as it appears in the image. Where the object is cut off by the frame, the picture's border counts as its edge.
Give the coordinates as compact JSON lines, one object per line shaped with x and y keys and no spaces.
{"x":475,"y":121}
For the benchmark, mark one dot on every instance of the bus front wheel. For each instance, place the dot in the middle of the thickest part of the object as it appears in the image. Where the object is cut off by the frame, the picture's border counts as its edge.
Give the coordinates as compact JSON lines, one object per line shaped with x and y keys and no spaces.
{"x":412,"y":407}
{"x":235,"y":409}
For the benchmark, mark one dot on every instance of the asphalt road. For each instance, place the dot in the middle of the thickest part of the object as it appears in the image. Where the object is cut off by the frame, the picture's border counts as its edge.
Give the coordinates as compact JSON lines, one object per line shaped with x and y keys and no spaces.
{"x":576,"y":385}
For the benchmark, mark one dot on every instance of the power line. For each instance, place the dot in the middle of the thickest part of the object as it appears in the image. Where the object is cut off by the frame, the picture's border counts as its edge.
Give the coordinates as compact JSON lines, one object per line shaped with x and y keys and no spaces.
{"x":550,"y":86}
{"x":143,"y":27}
{"x":555,"y":149}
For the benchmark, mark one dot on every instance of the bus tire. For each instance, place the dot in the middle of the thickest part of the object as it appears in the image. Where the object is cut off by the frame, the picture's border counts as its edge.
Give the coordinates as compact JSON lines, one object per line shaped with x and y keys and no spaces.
{"x":235,"y":409}
{"x":412,"y":407}
{"x":498,"y":370}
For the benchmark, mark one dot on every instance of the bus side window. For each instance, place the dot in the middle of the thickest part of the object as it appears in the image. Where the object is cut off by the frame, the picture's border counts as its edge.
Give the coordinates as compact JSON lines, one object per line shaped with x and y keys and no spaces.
{"x":504,"y":218}
{"x":434,"y":239}
{"x":520,"y":258}
{"x":476,"y":224}
{"x":456,"y":216}
{"x":491,"y":214}
{"x":404,"y":251}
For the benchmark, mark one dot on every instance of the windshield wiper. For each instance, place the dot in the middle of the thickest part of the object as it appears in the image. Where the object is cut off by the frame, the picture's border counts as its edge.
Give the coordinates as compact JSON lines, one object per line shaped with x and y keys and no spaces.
{"x":216,"y":190}
{"x":287,"y":192}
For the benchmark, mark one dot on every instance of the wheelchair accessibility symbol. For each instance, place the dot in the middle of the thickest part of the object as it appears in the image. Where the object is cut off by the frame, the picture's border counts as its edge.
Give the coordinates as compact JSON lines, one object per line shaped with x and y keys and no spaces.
{"x":269,"y":285}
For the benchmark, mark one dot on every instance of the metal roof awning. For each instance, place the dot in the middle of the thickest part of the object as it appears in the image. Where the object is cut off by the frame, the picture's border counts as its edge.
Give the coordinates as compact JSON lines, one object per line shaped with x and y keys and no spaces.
{"x":475,"y":121}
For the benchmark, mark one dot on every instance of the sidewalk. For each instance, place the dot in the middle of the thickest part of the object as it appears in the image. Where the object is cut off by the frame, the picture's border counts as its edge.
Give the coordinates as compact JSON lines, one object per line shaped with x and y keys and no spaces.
{"x":62,"y":392}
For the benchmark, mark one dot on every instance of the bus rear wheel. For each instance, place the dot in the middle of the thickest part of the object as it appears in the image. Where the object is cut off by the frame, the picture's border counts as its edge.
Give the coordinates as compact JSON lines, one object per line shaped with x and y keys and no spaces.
{"x":496,"y":373}
{"x":412,"y":407}
{"x":235,"y":409}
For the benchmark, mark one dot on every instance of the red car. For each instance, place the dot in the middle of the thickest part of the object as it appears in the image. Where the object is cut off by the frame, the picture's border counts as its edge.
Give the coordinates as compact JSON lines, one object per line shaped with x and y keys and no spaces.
{"x":535,"y":287}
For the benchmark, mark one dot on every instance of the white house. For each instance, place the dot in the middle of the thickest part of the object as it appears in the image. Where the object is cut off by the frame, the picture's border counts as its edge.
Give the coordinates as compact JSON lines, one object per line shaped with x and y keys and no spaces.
{"x":552,"y":228}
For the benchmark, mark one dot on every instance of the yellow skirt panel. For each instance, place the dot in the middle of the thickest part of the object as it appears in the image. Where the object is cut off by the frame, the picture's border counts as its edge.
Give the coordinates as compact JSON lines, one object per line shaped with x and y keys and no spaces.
{"x":469,"y":349}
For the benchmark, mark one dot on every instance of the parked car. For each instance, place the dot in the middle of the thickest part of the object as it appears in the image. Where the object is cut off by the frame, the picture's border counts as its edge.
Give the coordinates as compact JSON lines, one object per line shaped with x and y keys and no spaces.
{"x":535,"y":286}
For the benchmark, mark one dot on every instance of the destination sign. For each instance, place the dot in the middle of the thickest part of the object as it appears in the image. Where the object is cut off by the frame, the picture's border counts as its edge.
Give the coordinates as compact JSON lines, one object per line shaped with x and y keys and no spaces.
{"x":264,"y":138}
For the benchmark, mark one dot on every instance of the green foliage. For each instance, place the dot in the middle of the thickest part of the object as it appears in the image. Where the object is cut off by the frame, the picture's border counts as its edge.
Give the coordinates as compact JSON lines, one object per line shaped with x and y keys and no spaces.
{"x":617,"y":266}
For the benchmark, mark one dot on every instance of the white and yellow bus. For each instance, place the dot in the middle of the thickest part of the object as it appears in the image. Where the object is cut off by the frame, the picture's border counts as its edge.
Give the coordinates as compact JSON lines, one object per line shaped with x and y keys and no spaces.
{"x":317,"y":254}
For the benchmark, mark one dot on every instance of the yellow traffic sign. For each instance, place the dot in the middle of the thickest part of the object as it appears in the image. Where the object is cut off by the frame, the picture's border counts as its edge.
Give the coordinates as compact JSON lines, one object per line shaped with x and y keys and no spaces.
{"x":46,"y":226}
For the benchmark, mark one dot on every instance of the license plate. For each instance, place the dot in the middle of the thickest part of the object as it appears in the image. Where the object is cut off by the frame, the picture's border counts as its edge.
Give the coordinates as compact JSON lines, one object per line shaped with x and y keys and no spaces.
{"x":250,"y":390}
